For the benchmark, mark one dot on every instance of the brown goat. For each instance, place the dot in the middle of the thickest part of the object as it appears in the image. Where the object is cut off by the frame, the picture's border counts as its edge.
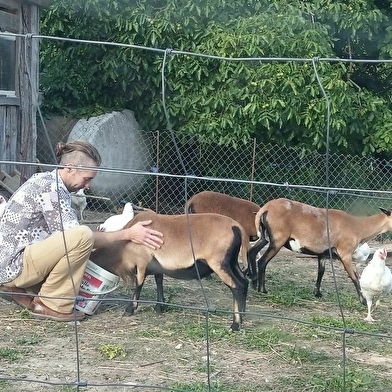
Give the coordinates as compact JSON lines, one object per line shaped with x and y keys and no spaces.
{"x":194,"y":247}
{"x":303,"y":228}
{"x":241,"y":210}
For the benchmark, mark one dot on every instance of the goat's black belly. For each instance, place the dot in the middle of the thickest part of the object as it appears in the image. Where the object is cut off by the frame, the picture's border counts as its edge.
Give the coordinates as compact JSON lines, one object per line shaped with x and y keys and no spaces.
{"x":307,"y":251}
{"x":154,"y":267}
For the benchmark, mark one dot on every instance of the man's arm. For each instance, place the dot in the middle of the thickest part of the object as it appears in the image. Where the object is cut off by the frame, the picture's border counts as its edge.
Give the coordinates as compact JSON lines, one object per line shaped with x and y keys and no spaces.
{"x":138,"y":233}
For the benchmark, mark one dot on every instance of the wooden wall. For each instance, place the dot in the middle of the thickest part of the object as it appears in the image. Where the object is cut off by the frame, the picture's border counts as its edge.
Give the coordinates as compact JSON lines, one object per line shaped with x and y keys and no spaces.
{"x":18,"y":127}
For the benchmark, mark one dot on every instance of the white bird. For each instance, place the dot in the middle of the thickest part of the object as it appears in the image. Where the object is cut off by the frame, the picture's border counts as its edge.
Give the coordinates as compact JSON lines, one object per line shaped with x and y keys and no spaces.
{"x":3,"y":204}
{"x":79,"y":202}
{"x":361,"y":253}
{"x":117,"y":222}
{"x":376,"y":280}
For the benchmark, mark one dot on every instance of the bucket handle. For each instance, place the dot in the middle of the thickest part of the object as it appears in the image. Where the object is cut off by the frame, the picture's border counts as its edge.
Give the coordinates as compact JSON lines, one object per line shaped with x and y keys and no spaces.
{"x":100,"y":292}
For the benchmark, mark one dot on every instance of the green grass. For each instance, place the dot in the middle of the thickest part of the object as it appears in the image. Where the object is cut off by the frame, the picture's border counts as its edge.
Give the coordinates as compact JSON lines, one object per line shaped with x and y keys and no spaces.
{"x":215,"y":387}
{"x":302,"y":355}
{"x":9,"y":354}
{"x":356,"y":380}
{"x":58,"y":329}
{"x":262,"y":339}
{"x":347,"y":299}
{"x":149,"y":333}
{"x":25,"y":314}
{"x":291,"y":290}
{"x":30,"y":340}
{"x":291,"y":296}
{"x":294,"y":340}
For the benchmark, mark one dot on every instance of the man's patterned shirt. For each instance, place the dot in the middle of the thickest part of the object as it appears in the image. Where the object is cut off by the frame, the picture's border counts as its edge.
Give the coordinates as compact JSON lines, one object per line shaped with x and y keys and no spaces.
{"x":39,"y":208}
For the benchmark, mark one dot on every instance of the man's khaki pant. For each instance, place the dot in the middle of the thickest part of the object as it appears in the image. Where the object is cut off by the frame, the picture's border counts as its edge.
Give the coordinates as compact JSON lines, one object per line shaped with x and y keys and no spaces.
{"x":57,"y":264}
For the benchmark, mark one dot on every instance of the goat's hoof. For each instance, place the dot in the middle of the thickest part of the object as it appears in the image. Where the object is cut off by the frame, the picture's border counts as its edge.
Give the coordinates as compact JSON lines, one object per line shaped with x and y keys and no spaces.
{"x":129,"y":310}
{"x":159,"y":308}
{"x":235,"y":327}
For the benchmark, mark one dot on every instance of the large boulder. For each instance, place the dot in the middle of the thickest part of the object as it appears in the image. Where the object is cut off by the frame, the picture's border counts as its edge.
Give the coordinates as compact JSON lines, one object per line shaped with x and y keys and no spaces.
{"x":122,"y":145}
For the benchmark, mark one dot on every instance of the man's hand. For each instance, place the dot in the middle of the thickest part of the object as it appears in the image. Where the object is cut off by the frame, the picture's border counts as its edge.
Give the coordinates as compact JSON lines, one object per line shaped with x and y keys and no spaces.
{"x":140,"y":234}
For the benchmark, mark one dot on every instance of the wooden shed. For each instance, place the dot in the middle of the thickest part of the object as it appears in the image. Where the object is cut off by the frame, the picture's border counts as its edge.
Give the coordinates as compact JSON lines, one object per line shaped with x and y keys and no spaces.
{"x":19,"y":68}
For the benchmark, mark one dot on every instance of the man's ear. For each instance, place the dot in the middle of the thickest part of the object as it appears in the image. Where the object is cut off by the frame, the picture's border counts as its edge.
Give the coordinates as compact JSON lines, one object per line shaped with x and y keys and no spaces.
{"x":69,"y":169}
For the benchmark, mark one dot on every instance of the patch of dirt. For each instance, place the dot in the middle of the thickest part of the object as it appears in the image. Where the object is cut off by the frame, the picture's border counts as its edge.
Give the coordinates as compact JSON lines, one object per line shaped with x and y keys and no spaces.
{"x":171,"y":350}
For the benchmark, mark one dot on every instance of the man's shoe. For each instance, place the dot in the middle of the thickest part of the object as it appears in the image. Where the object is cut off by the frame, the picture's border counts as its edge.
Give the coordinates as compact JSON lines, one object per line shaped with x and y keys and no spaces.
{"x":41,"y":311}
{"x":17,"y":295}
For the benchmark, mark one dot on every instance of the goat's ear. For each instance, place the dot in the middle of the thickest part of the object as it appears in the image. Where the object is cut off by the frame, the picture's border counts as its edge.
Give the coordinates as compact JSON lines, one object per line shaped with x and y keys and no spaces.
{"x":386,"y":212}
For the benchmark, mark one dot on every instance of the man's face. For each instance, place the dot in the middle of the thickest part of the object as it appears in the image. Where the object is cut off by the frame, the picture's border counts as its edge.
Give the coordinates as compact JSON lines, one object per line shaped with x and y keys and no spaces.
{"x":76,"y":179}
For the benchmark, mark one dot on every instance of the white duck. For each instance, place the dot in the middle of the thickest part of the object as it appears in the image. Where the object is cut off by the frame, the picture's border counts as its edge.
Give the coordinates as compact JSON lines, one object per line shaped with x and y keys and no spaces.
{"x":376,"y":280}
{"x":117,"y":222}
{"x":79,"y":202}
{"x":361,"y":253}
{"x":3,"y":204}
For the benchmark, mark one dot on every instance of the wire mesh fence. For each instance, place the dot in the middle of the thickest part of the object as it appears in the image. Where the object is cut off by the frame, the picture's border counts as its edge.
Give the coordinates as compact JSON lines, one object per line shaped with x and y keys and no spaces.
{"x":161,"y":173}
{"x":168,"y":169}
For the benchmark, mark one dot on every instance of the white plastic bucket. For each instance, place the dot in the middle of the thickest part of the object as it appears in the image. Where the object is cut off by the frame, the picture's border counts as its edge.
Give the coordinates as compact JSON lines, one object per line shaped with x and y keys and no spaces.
{"x":95,"y":284}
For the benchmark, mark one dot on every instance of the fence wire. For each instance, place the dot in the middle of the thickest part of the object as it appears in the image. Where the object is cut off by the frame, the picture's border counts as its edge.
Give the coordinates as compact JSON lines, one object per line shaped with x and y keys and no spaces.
{"x":257,"y":172}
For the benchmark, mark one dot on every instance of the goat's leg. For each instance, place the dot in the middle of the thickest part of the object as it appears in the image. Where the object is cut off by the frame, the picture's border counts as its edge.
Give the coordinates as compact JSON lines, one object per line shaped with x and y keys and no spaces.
{"x":229,"y":272}
{"x":239,"y":304}
{"x":352,"y":273}
{"x":239,"y":274}
{"x":139,"y":282}
{"x":160,"y":306}
{"x":233,"y":268}
{"x":241,"y":293}
{"x":262,"y":265}
{"x":320,"y":274}
{"x":134,"y":304}
{"x":252,"y":255}
{"x":239,"y":288}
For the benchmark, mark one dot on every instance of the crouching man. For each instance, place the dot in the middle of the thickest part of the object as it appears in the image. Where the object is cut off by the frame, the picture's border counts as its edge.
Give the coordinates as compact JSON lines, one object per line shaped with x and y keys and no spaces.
{"x":42,"y":243}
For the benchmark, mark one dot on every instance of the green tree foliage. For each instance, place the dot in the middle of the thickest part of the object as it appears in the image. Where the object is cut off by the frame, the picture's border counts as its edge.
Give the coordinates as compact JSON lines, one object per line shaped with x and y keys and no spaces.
{"x":223,"y":85}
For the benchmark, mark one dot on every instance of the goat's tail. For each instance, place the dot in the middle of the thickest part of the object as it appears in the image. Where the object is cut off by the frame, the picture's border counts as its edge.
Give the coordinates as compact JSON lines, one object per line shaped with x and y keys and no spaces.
{"x":261,"y":224}
{"x":189,"y":208}
{"x":262,"y":232}
{"x":244,"y":249}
